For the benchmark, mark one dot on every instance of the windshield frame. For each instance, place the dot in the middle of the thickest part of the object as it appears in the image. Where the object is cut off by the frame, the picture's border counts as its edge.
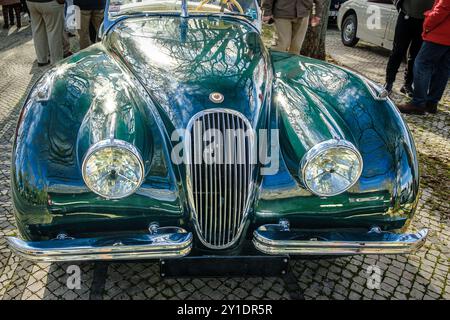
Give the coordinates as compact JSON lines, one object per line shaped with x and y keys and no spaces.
{"x":110,"y":20}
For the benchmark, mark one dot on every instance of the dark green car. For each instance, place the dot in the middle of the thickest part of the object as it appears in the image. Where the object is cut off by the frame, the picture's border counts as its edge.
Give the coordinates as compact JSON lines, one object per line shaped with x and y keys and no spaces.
{"x":181,"y":136}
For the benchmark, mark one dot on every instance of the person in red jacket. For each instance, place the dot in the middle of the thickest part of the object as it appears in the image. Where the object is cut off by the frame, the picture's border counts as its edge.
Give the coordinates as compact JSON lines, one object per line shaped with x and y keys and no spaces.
{"x":432,"y":66}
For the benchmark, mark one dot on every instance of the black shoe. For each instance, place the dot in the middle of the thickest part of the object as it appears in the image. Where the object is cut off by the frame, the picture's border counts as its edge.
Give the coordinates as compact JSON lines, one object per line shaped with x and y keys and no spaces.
{"x":407,"y":90}
{"x":43,"y":64}
{"x":388,"y":87}
{"x":431,"y":107}
{"x":6,"y":26}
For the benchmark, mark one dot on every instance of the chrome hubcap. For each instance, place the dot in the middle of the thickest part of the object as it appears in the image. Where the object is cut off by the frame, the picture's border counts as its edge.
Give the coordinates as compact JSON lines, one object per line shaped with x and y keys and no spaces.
{"x":349,"y":31}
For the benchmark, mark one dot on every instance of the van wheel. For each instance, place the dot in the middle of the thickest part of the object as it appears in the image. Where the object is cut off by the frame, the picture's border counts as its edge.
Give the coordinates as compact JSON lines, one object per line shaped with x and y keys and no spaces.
{"x":348,"y":31}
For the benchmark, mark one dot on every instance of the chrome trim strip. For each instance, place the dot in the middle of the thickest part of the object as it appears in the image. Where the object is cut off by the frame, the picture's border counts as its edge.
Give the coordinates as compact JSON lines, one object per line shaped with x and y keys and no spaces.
{"x":166,"y":242}
{"x":274,"y":243}
{"x":377,"y":92}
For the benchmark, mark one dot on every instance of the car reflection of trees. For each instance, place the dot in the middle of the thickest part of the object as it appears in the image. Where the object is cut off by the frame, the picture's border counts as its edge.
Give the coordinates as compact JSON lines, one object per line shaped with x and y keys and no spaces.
{"x":200,"y":52}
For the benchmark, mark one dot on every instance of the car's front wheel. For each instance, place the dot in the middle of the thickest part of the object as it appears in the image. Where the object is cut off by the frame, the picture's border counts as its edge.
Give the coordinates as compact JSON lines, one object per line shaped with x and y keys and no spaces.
{"x":348,"y":31}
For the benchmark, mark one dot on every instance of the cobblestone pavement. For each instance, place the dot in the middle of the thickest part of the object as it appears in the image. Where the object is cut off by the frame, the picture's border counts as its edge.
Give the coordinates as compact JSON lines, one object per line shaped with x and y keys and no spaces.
{"x":424,"y":275}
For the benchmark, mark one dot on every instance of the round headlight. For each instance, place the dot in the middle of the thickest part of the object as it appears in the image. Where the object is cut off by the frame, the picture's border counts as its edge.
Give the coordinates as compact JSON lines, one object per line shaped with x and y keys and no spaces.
{"x":331,"y":167}
{"x":113,"y":169}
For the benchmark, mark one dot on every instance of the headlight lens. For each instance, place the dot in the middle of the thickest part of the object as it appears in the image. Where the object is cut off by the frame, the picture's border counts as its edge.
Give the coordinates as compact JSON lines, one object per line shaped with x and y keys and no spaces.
{"x":113,"y":169}
{"x":331,"y":167}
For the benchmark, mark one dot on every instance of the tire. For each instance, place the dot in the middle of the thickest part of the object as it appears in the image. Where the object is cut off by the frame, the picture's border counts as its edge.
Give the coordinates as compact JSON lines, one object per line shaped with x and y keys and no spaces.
{"x":348,"y":31}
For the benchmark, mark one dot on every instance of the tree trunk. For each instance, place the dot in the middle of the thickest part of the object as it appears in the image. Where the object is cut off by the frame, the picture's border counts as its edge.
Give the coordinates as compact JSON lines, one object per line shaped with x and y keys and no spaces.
{"x":314,"y":44}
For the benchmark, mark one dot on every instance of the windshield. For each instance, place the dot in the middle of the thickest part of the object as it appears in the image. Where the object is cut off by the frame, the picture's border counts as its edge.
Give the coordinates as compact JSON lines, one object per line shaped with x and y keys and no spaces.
{"x":247,"y":8}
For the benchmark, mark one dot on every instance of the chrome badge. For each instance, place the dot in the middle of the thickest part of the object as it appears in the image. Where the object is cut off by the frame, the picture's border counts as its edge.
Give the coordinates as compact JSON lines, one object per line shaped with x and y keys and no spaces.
{"x":216,"y":97}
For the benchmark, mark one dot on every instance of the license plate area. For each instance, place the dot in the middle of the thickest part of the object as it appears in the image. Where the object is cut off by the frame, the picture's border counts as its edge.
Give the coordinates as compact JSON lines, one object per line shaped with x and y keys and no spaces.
{"x":218,"y":266}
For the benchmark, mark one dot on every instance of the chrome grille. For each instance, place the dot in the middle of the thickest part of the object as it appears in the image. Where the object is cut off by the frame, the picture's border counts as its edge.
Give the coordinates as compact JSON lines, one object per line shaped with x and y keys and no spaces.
{"x":219,"y":189}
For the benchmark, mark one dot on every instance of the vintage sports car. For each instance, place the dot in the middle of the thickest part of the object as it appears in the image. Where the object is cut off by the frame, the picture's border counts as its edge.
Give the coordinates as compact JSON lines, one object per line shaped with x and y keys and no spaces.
{"x":181,"y":136}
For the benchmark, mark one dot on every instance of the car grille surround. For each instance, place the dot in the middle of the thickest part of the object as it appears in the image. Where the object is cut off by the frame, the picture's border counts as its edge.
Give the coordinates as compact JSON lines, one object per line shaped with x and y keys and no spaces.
{"x":220,"y":149}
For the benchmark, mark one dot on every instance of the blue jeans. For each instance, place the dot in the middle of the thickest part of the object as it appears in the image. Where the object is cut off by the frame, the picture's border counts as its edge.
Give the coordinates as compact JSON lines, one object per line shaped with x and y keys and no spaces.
{"x":431,"y":73}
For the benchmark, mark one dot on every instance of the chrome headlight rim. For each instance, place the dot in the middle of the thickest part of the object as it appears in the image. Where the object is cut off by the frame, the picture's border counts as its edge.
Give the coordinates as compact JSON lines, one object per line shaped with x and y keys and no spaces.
{"x":319,"y":149}
{"x":119,"y":144}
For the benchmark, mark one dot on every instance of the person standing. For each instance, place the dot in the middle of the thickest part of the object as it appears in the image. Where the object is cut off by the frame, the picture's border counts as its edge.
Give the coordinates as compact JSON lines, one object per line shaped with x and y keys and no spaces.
{"x":9,"y":7}
{"x":291,"y":20}
{"x":408,"y":35}
{"x":92,"y":12}
{"x":432,"y":66}
{"x":47,"y":26}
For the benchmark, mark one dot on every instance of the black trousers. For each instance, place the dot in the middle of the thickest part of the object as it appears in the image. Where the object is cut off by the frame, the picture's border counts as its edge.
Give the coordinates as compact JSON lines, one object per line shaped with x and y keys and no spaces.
{"x":25,"y":7}
{"x":8,"y":14}
{"x":407,"y":40}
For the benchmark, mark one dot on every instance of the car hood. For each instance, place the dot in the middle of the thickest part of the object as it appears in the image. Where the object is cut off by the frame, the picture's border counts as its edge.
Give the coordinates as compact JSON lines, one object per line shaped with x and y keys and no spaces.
{"x":181,"y":62}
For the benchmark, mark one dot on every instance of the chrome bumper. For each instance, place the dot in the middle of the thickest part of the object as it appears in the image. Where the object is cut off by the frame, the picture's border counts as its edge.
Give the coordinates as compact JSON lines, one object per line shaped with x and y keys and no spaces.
{"x":278,"y":239}
{"x":166,"y":242}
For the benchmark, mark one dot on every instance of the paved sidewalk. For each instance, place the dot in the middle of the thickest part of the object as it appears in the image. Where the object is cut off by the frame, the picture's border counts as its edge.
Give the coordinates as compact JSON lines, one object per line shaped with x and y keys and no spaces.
{"x":424,"y":275}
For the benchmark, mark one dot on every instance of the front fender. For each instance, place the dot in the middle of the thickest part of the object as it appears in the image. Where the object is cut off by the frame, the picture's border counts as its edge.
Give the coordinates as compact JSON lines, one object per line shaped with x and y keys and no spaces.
{"x":67,"y":111}
{"x":315,"y":101}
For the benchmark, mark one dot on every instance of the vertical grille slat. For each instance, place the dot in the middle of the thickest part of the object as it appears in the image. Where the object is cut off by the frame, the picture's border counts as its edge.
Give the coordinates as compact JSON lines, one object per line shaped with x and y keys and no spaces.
{"x":241,"y":163}
{"x":220,"y":190}
{"x":210,"y":191}
{"x":225,"y":186}
{"x":236,"y":165}
{"x":197,"y":172}
{"x":214,"y":166}
{"x":230,"y":176}
{"x":205,"y":193}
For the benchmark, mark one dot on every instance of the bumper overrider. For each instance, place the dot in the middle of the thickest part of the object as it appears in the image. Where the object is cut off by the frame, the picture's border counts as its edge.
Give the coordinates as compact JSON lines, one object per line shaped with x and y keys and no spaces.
{"x":175,"y":242}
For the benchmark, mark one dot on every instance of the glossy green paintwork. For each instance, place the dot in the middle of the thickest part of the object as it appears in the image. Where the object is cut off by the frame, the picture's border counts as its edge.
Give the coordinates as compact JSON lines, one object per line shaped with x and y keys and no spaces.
{"x":155,"y":74}
{"x":316,"y":101}
{"x":180,"y":69}
{"x":48,"y":189}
